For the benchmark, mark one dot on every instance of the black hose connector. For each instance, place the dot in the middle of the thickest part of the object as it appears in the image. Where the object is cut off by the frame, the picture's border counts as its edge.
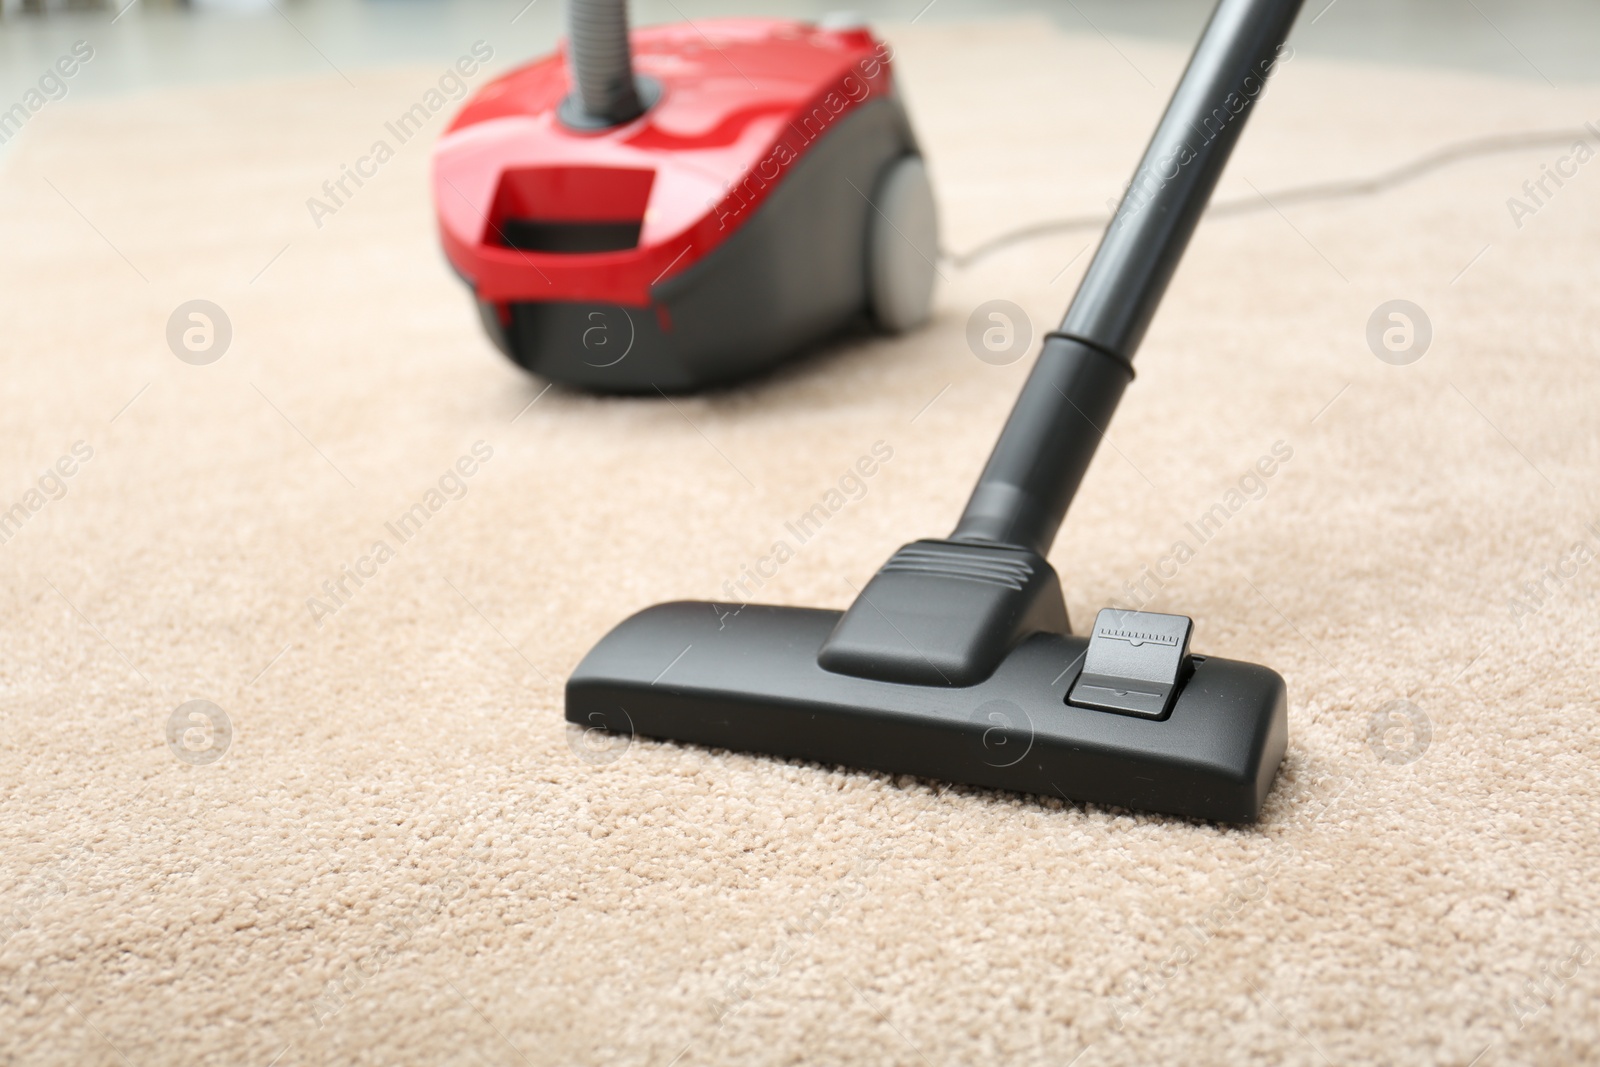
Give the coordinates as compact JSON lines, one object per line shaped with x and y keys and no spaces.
{"x":605,"y":91}
{"x":1241,"y":47}
{"x":1062,"y":413}
{"x":1046,"y":447}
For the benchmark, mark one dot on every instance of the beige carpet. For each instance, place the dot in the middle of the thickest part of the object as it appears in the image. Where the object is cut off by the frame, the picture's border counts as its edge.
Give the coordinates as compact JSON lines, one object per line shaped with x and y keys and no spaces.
{"x":400,"y":859}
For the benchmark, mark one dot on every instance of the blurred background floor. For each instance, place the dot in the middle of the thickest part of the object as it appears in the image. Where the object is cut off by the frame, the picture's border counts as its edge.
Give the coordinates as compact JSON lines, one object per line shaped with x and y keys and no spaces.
{"x":141,"y":44}
{"x":400,"y":854}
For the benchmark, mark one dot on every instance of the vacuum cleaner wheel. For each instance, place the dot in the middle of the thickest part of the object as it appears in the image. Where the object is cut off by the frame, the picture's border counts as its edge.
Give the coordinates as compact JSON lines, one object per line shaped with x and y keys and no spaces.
{"x":579,"y":198}
{"x":902,"y":246}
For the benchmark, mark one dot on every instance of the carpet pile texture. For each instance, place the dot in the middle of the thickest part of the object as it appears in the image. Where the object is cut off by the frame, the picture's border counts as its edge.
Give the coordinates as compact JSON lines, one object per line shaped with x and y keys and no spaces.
{"x":400,"y":855}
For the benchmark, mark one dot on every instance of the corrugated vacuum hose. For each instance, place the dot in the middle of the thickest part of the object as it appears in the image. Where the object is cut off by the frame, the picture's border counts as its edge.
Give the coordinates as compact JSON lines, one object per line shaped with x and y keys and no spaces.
{"x":604,"y":91}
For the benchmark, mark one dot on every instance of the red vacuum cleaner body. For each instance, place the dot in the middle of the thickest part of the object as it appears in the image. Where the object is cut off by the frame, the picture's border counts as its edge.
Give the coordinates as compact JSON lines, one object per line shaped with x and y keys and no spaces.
{"x":768,"y":191}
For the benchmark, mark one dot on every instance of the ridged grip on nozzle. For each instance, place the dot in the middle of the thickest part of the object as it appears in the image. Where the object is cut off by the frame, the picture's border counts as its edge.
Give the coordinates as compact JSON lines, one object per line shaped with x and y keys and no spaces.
{"x":602,"y":65}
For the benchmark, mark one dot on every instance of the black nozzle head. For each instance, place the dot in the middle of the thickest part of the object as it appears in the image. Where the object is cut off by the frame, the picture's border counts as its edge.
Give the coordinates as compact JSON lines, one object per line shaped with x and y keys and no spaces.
{"x":746,"y":677}
{"x":943,"y":613}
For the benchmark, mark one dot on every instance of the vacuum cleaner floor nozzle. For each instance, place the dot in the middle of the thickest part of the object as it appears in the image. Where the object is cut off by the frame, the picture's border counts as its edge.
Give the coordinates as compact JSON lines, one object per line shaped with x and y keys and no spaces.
{"x":747,"y":678}
{"x":956,"y":660}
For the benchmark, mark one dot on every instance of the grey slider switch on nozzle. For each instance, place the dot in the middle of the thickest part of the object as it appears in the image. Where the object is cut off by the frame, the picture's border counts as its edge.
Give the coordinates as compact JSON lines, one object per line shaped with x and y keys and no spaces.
{"x":1135,"y":663}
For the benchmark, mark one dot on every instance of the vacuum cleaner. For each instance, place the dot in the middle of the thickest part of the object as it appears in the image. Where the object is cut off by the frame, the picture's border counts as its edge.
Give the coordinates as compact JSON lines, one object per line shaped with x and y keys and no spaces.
{"x":689,"y":205}
{"x":956,"y":660}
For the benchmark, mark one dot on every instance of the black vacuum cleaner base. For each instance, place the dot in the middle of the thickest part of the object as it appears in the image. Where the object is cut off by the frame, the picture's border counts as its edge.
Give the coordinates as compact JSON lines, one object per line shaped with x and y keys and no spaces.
{"x":747,"y":678}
